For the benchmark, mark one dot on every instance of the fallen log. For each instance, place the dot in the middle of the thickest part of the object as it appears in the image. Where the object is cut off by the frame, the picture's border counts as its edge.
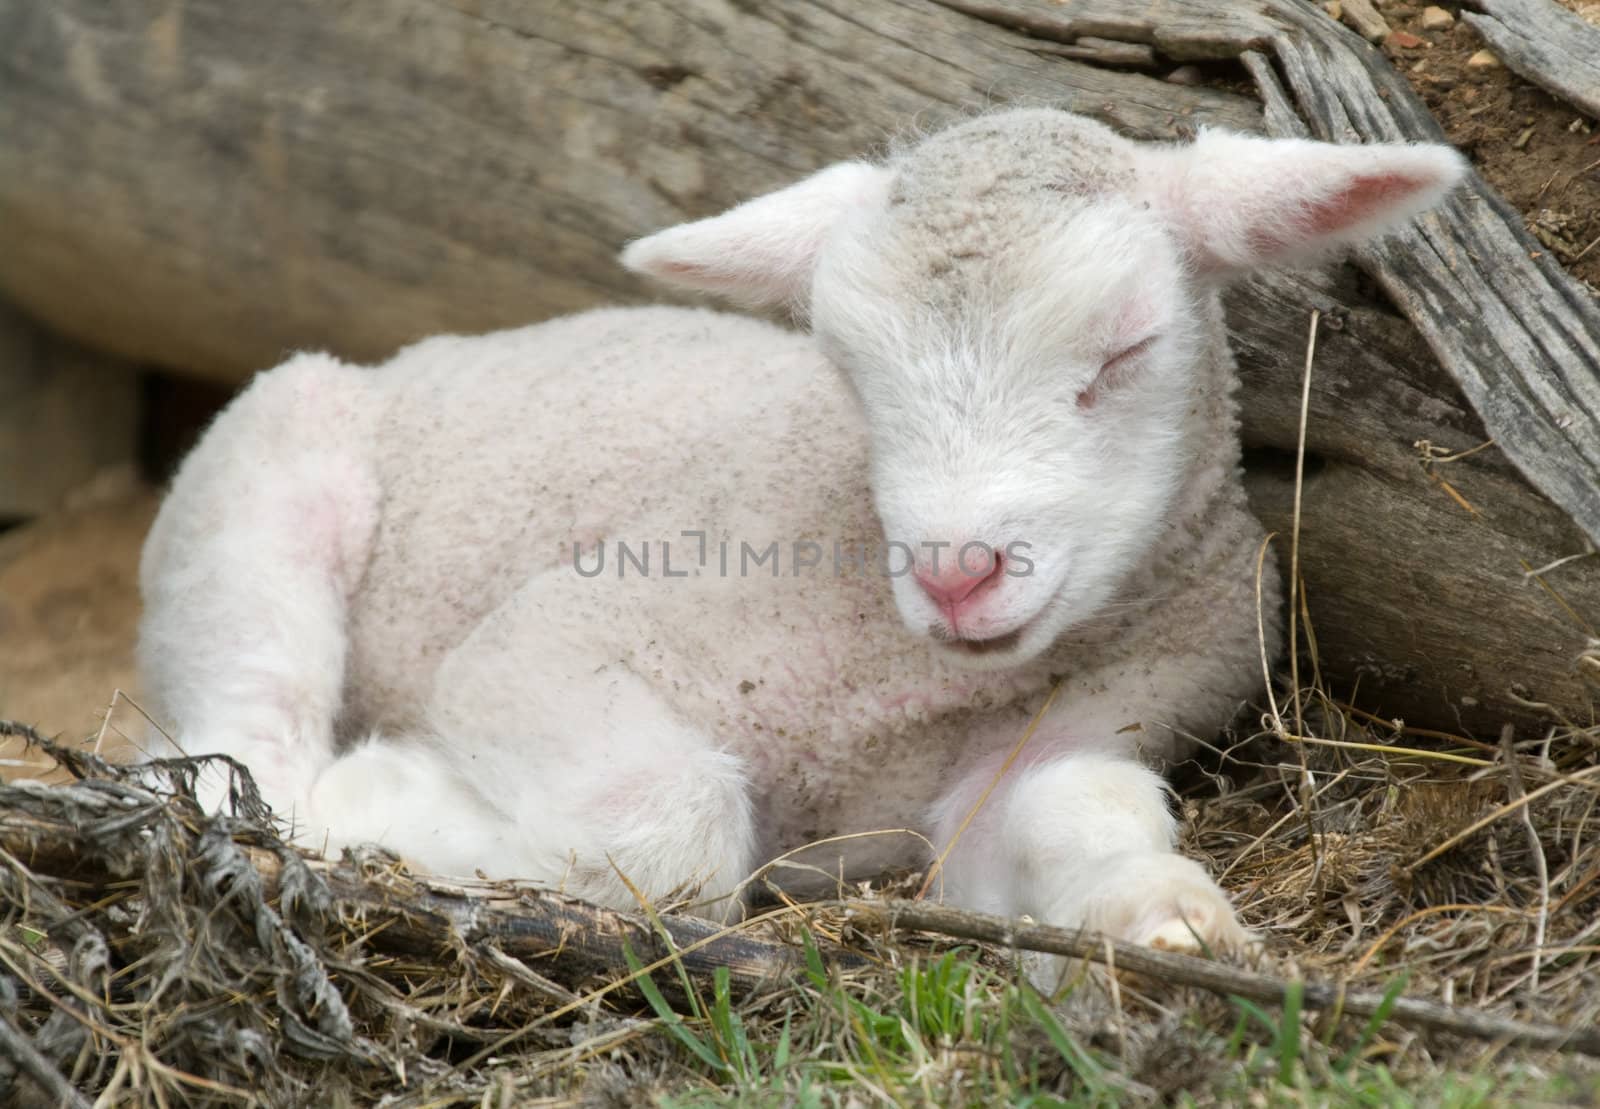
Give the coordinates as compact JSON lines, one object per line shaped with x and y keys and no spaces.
{"x":1416,"y":572}
{"x":207,"y":185}
{"x":357,"y":182}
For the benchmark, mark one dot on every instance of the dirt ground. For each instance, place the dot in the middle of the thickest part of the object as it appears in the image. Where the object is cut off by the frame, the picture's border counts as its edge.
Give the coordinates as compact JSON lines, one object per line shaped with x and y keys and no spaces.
{"x":69,"y":609}
{"x":1540,"y":153}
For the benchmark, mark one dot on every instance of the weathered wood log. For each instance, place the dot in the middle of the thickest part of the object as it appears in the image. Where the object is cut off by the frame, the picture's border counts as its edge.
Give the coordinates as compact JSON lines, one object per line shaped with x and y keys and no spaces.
{"x":357,"y":182}
{"x":1415,"y":574}
{"x":1544,"y":43}
{"x":207,"y":185}
{"x":66,"y":414}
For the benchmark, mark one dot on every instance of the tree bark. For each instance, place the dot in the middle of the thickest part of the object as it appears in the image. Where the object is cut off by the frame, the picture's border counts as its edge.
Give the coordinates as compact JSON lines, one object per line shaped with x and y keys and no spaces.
{"x":208,"y":186}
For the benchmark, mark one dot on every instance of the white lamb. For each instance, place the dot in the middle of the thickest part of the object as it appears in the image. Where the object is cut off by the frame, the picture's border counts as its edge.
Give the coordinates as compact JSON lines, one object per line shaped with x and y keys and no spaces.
{"x":377,"y":587}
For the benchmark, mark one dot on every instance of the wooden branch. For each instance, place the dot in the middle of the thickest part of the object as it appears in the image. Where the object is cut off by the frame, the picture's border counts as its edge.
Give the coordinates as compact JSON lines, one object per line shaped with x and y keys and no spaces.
{"x":576,"y":944}
{"x":1217,"y":977}
{"x":1546,"y":44}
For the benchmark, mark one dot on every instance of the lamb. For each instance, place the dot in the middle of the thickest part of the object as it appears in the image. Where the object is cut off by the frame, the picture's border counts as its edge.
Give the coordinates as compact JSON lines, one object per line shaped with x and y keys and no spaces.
{"x":377,"y":587}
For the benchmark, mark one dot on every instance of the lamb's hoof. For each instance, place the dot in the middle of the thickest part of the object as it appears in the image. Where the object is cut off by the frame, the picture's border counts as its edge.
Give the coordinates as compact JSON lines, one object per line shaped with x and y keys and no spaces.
{"x":1169,"y":903}
{"x":1154,"y":899}
{"x":1202,"y":923}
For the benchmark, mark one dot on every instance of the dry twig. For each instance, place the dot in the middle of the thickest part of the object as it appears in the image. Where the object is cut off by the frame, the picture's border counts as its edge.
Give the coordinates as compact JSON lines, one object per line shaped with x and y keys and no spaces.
{"x":1217,"y":977}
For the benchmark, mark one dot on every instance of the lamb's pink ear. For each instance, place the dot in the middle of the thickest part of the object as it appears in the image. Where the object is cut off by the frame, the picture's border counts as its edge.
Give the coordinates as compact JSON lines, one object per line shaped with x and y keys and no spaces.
{"x":1241,"y":201}
{"x":763,"y":251}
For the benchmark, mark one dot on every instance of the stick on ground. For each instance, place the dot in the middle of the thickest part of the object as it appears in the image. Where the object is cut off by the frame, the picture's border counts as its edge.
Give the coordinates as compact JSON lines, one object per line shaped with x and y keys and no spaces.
{"x":1220,"y":978}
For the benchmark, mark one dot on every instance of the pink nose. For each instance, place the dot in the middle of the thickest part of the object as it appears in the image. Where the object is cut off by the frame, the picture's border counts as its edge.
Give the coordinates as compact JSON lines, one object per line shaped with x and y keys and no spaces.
{"x":958,"y":578}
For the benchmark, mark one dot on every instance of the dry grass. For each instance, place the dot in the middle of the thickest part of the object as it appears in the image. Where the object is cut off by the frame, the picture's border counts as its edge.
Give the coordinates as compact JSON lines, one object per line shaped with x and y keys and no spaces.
{"x":1358,"y":860}
{"x":159,"y":958}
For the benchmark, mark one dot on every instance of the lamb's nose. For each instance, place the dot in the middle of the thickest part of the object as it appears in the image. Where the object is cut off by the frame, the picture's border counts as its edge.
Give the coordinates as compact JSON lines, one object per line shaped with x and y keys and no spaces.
{"x":956,"y":577}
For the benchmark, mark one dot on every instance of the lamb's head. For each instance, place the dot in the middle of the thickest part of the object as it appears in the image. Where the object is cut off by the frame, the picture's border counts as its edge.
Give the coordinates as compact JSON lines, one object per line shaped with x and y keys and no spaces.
{"x":1015,"y":302}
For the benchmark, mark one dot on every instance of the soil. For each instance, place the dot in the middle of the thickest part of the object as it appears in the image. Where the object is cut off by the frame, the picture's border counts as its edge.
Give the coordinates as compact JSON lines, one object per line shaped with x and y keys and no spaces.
{"x":1540,"y":153}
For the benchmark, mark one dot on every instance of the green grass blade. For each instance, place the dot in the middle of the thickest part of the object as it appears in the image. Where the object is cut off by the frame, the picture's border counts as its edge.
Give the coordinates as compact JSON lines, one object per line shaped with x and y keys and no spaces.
{"x":780,"y":1056}
{"x":814,"y":968}
{"x":1256,"y":1013}
{"x":1391,"y":995}
{"x":669,"y":1018}
{"x":1090,"y":1073}
{"x":1288,"y":1045}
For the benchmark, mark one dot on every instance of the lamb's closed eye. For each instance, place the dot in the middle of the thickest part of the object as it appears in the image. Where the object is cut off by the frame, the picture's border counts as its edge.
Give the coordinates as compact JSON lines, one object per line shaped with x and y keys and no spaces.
{"x":1115,"y":370}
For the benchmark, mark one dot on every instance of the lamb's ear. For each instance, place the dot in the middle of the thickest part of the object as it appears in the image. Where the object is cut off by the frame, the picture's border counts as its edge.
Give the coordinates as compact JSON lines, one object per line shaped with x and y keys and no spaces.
{"x":764,"y":251}
{"x":1241,"y":201}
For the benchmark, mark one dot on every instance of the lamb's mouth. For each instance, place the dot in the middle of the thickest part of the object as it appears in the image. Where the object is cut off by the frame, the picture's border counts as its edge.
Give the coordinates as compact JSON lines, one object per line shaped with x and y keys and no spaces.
{"x":977,"y":648}
{"x":1000,"y":644}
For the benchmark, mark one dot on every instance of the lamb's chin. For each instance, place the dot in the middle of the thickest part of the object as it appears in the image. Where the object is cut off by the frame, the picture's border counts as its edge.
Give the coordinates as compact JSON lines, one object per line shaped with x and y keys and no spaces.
{"x":1001,"y":652}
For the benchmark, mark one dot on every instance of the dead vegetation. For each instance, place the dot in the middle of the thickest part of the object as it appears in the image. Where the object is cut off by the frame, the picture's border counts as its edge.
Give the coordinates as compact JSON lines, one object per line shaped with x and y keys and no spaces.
{"x":152,"y":956}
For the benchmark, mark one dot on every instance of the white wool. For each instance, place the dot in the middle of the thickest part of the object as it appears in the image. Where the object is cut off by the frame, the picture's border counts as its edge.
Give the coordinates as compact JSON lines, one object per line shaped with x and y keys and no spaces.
{"x":363,"y":582}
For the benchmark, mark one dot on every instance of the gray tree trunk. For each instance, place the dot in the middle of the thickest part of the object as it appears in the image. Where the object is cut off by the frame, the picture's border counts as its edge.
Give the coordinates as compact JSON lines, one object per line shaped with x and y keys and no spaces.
{"x":209,"y":185}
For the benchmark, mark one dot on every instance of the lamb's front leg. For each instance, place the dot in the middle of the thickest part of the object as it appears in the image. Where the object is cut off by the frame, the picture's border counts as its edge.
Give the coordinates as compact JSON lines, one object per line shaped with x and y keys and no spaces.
{"x":1085,"y":841}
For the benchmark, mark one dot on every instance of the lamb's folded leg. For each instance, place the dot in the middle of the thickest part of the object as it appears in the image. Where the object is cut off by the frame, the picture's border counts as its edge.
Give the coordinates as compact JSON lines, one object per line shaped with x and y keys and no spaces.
{"x":1086,"y":841}
{"x":549,"y":759}
{"x":247,"y":573}
{"x":675,"y":821}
